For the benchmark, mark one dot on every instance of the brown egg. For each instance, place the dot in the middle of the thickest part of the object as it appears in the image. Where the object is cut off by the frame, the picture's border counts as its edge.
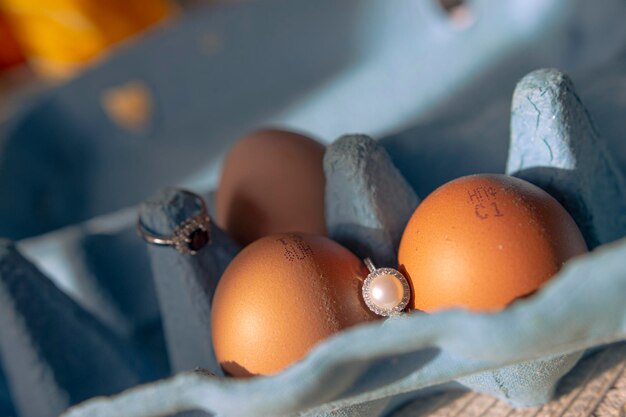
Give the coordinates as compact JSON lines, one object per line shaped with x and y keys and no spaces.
{"x":272,"y":182}
{"x":279,"y":297}
{"x":481,"y":241}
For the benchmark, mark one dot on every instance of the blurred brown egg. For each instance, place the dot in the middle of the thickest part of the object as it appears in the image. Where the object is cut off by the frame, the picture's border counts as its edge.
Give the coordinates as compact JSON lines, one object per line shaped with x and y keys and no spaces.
{"x":480,"y":242}
{"x":279,"y":297}
{"x":272,"y":182}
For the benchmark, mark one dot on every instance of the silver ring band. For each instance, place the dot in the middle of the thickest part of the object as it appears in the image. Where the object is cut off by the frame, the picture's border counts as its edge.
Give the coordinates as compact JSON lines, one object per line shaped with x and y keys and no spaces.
{"x":369,"y":264}
{"x":189,"y":236}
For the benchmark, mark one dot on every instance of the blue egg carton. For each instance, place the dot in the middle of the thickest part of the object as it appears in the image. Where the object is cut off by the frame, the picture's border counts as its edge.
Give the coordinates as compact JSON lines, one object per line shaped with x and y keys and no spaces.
{"x":87,"y":309}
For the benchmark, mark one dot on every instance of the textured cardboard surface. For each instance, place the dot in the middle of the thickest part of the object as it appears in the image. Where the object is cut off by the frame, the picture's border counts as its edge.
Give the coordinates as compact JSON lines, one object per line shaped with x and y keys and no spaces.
{"x":368,"y":202}
{"x":595,"y":388}
{"x":555,"y":145}
{"x":54,"y":354}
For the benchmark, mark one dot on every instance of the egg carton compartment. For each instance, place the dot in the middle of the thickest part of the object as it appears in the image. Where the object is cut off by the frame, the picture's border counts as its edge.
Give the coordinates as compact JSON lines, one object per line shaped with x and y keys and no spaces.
{"x":517,"y":355}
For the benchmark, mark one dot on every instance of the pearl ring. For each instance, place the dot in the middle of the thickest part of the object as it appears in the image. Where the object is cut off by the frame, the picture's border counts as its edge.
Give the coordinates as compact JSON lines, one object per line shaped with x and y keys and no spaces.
{"x":385,"y":290}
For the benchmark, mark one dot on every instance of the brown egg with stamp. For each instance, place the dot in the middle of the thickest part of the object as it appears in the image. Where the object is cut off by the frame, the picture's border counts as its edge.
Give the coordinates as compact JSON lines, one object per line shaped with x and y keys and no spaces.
{"x":272,"y":181}
{"x":482,"y":241}
{"x":282,"y":295}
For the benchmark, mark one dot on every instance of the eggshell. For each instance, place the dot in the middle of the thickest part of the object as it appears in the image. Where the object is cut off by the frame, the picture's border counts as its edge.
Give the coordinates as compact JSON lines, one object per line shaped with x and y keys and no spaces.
{"x":481,"y":241}
{"x":279,"y":297}
{"x":272,"y":181}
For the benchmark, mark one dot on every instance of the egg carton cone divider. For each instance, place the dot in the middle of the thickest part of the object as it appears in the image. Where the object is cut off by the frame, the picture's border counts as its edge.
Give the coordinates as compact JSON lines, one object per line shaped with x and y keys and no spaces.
{"x":185,"y":283}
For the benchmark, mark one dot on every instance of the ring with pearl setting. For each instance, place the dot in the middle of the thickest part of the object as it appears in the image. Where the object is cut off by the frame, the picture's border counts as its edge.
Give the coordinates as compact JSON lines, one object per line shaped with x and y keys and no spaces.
{"x":385,"y":290}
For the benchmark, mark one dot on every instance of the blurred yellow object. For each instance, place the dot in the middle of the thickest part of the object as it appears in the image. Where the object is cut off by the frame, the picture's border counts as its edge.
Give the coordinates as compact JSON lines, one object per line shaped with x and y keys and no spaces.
{"x":61,"y":35}
{"x":129,"y":105}
{"x":10,"y":52}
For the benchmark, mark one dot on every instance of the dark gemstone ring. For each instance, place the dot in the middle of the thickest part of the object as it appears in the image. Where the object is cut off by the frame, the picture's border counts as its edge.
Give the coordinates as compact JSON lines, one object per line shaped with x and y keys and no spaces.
{"x":188,"y":237}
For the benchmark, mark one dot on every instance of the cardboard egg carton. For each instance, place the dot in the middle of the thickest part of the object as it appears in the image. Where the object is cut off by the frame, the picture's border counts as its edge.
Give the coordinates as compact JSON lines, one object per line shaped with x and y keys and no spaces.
{"x":135,"y":314}
{"x":517,"y":355}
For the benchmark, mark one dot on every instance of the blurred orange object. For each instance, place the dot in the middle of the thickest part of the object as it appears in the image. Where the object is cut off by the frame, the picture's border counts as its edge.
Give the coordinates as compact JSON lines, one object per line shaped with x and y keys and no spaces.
{"x":59,"y":36}
{"x":10,"y":52}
